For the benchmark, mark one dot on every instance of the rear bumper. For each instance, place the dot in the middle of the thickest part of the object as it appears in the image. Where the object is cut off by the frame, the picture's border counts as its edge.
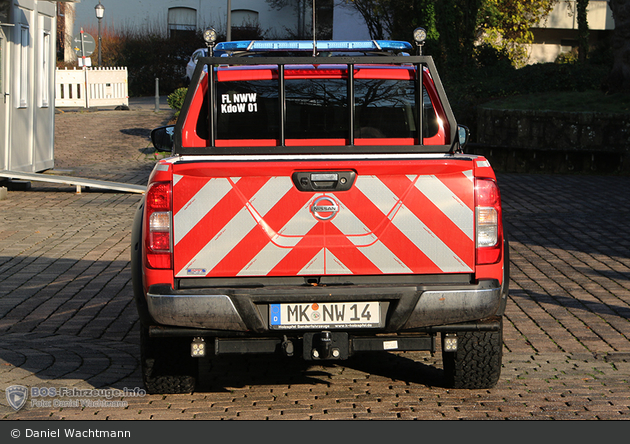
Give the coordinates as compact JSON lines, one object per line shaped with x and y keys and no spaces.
{"x":246,"y":309}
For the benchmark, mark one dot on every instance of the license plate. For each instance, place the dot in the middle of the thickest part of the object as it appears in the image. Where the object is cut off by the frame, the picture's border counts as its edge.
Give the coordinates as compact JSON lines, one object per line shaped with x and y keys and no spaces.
{"x":326,"y":315}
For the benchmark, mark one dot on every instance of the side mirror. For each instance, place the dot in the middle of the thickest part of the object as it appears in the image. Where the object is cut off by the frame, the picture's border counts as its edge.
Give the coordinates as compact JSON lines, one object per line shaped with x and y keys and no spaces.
{"x":162,"y":138}
{"x":463,"y":133}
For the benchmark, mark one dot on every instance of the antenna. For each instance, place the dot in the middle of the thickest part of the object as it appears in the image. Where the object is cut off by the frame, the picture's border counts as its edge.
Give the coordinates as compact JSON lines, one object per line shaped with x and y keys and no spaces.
{"x":314,"y":32}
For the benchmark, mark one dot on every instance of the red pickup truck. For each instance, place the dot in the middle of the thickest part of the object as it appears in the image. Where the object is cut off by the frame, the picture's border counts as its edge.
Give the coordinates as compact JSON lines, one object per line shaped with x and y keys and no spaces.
{"x":318,"y":203}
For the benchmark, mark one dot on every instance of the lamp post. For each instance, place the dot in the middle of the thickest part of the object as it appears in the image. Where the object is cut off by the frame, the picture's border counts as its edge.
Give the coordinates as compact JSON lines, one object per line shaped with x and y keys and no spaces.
{"x":229,"y":21}
{"x":100,"y":11}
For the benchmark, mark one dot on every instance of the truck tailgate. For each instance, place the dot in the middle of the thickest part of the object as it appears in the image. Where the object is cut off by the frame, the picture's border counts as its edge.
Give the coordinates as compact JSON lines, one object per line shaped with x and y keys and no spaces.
{"x":411,"y":216}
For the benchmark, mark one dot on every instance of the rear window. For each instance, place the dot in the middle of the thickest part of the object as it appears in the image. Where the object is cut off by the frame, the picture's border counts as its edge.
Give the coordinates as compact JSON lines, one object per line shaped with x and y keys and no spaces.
{"x":317,"y":108}
{"x":386,"y":109}
{"x":247,"y":110}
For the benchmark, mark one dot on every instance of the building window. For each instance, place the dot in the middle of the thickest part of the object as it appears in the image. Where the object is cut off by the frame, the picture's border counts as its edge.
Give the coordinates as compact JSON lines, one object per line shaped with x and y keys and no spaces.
{"x":44,"y":66}
{"x":22,"y":78}
{"x":245,"y":25}
{"x":324,"y":19}
{"x":1,"y":65}
{"x":244,"y":18}
{"x":182,"y":22}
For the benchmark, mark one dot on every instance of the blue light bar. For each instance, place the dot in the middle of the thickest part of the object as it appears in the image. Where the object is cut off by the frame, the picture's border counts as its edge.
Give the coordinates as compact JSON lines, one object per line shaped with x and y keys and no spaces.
{"x":305,"y":45}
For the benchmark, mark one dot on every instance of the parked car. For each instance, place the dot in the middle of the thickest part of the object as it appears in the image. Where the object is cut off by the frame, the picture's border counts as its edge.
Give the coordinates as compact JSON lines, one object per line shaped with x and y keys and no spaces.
{"x":318,"y":207}
{"x":192,"y":62}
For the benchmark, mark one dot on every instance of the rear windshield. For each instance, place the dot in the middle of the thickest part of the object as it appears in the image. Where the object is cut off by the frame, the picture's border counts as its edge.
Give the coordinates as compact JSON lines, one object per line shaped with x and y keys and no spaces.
{"x":318,"y":109}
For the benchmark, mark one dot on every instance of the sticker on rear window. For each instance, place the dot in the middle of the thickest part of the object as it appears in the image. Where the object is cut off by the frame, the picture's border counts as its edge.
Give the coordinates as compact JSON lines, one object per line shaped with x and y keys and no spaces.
{"x":239,"y":103}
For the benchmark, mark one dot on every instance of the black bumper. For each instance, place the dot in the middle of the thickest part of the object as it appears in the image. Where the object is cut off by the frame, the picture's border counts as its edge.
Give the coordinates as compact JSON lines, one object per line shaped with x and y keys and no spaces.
{"x":242,"y":312}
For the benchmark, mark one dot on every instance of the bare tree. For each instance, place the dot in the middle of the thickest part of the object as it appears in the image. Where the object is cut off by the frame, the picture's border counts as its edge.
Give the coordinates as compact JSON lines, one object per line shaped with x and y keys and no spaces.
{"x":378,"y":16}
{"x":301,"y":8}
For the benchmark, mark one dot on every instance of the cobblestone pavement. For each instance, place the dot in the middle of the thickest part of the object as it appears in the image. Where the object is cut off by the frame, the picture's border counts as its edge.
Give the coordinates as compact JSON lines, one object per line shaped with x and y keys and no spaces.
{"x":67,"y":317}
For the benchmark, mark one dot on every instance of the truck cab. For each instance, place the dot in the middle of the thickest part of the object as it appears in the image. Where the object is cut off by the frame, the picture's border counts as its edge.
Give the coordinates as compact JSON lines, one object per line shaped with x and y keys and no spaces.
{"x":318,"y":203}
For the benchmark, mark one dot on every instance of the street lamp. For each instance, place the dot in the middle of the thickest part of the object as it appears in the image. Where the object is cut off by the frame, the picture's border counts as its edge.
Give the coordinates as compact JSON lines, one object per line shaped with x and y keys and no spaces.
{"x":100,"y":12}
{"x":229,"y":21}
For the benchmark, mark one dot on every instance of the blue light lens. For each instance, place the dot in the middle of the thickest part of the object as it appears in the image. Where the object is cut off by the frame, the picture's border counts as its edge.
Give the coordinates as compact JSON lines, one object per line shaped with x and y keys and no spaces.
{"x":305,"y":45}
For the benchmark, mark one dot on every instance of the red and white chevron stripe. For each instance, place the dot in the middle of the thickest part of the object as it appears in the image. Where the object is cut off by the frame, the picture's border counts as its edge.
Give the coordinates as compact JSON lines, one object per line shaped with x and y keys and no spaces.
{"x":263,"y":226}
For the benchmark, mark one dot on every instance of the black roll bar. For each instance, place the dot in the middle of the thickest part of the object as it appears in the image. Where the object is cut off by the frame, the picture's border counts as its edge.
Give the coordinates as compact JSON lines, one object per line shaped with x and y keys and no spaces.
{"x":420,"y":62}
{"x":351,"y":107}
{"x":212,"y":107}
{"x":419,"y":101}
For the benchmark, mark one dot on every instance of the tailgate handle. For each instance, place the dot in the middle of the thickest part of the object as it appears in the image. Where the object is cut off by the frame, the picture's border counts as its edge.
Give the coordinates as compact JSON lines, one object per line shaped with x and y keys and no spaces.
{"x":323,"y":180}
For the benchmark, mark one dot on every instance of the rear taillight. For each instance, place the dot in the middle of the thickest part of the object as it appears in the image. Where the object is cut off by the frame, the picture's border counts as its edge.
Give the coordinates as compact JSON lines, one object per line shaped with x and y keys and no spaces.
{"x":158,"y":228}
{"x":488,"y":221}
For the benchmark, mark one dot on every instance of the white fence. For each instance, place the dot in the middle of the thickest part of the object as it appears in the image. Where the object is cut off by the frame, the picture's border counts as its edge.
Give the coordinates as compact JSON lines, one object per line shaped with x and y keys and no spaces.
{"x":88,"y":87}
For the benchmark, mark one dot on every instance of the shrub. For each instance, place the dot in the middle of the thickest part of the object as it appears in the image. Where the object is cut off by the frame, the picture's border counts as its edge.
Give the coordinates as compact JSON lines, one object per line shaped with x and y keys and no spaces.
{"x":176,"y":99}
{"x":567,"y":57}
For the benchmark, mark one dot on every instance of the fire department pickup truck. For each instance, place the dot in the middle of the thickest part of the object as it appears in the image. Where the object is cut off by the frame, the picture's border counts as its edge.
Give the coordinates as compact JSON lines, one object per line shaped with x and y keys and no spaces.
{"x":318,"y":203}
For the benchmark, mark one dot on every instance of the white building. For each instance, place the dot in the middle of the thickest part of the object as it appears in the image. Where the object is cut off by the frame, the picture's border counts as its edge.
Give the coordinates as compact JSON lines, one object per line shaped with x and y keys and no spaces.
{"x":178,"y":15}
{"x":555,"y":35}
{"x":558,"y":33}
{"x":27,"y":82}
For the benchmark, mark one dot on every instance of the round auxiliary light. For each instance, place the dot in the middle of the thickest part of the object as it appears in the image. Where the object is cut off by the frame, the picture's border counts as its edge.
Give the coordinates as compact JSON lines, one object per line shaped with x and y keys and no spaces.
{"x":419,"y":36}
{"x":210,"y":36}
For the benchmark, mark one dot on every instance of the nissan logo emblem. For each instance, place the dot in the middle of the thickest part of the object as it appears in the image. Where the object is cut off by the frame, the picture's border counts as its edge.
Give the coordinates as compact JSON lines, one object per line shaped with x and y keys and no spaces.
{"x":324,"y":208}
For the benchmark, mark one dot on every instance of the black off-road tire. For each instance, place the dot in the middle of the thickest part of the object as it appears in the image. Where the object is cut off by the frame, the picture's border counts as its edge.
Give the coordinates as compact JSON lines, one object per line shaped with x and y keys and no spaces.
{"x":477,"y":362}
{"x":167,"y":367}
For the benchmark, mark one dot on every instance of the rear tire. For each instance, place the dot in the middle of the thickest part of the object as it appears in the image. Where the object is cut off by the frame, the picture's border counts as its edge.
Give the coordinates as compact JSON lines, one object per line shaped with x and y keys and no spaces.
{"x":167,"y":366}
{"x":477,"y":362}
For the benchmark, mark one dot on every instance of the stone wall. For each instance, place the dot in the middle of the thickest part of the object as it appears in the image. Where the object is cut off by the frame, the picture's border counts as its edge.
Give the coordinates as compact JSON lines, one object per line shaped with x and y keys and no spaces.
{"x":554,"y":140}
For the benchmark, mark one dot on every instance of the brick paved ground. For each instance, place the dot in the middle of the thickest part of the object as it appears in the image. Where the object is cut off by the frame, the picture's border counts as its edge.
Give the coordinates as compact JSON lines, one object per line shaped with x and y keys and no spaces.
{"x":67,"y":318}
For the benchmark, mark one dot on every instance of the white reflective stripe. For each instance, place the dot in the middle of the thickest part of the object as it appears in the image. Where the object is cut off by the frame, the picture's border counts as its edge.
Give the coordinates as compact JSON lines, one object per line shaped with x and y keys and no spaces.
{"x":469,"y":175}
{"x":384,"y":259}
{"x":211,"y":193}
{"x":270,"y":194}
{"x":367,"y":242}
{"x":265,"y":260}
{"x":281,"y":243}
{"x":214,"y":251}
{"x":300,"y":224}
{"x":412,"y":227}
{"x":451,"y":205}
{"x":334,"y":265}
{"x":378,"y":193}
{"x":198,"y":206}
{"x":238,"y":227}
{"x":315,"y":265}
{"x":427,"y":242}
{"x":176,"y":178}
{"x":350,"y":225}
{"x":324,"y":262}
{"x":284,"y":240}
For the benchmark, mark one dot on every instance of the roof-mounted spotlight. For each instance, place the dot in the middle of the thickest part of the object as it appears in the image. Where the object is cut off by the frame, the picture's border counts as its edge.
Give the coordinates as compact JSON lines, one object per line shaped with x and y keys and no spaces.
{"x":419,"y":36}
{"x":210,"y":37}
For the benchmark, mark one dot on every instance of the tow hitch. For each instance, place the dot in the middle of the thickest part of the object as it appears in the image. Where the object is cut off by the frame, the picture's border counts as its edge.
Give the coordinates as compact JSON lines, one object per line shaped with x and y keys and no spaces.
{"x":325,"y":345}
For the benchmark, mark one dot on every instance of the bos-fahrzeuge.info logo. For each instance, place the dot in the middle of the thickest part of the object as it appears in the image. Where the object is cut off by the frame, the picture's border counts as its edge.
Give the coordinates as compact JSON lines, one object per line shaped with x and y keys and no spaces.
{"x":17,"y":396}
